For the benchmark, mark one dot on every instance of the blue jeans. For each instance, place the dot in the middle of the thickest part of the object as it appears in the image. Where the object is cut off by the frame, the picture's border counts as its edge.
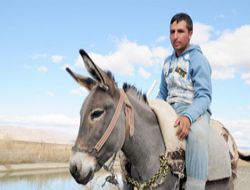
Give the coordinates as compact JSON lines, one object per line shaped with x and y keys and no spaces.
{"x":197,"y":145}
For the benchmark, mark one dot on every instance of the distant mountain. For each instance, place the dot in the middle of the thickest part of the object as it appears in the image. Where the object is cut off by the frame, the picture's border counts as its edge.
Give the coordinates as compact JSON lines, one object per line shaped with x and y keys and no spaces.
{"x":36,"y":135}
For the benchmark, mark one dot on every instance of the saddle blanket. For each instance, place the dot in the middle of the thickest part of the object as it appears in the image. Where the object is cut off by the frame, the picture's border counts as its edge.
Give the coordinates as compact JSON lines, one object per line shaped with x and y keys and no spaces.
{"x":219,"y":165}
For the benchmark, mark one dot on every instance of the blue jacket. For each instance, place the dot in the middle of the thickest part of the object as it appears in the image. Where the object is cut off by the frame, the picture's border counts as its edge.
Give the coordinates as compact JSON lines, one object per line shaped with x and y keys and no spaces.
{"x":186,"y":80}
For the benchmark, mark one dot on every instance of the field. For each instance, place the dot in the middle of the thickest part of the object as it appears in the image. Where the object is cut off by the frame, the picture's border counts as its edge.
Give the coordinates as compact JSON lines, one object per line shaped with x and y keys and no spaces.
{"x":21,"y":152}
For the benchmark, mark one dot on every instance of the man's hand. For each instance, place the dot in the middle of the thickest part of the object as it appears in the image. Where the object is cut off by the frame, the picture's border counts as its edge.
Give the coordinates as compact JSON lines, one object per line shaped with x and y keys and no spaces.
{"x":183,"y":124}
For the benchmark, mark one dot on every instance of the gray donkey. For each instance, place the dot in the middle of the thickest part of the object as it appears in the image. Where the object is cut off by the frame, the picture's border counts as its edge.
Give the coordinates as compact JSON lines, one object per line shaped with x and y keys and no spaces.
{"x":114,"y":119}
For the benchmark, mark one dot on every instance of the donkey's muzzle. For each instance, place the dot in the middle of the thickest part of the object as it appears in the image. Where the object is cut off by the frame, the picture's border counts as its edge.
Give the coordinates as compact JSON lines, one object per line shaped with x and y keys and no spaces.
{"x":82,"y":167}
{"x":78,"y":177}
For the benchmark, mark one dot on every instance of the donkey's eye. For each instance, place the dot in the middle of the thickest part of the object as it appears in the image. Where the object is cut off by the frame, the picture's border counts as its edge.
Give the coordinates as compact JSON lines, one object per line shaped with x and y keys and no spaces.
{"x":96,"y":114}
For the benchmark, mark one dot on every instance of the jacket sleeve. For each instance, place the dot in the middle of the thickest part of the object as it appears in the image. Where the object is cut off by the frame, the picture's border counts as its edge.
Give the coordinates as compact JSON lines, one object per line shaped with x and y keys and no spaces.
{"x":201,"y":77}
{"x":163,"y":90}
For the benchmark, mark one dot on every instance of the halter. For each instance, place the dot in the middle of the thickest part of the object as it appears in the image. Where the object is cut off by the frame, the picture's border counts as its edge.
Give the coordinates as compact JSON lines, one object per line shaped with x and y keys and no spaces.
{"x":161,"y":174}
{"x":129,"y":113}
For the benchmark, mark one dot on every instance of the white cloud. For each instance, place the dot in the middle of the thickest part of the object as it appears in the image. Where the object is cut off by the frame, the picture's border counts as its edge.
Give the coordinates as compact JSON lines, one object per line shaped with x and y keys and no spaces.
{"x":220,"y":16}
{"x":161,"y":39}
{"x":40,"y":56}
{"x":79,"y":91}
{"x":45,"y":56}
{"x":144,"y":73}
{"x":65,"y":66}
{"x":229,"y":53}
{"x":79,"y":62}
{"x":201,"y":33}
{"x":246,"y":77}
{"x":239,"y":130}
{"x":51,"y":94}
{"x":56,"y":58}
{"x":47,"y":120}
{"x":42,"y":69}
{"x":128,"y":55}
{"x":223,"y":73}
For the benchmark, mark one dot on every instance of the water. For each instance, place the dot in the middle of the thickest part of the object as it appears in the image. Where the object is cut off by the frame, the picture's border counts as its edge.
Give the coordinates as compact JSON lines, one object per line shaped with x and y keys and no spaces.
{"x":49,"y":180}
{"x":62,"y":180}
{"x":38,"y":181}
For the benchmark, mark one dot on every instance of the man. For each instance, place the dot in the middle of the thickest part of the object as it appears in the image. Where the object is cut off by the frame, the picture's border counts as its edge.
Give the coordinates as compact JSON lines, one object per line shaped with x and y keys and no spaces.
{"x":186,"y":86}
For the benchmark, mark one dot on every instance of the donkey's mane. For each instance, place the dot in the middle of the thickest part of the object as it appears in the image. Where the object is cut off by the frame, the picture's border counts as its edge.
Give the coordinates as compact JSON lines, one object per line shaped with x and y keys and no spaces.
{"x":141,"y":96}
{"x":127,"y":87}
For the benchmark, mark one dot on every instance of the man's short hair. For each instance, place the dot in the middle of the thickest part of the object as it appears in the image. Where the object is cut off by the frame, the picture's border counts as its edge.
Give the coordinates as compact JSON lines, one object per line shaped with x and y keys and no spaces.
{"x":183,"y":16}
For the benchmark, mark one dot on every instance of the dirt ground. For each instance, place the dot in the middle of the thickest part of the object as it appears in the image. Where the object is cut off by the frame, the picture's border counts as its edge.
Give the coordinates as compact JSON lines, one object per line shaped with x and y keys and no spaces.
{"x":243,"y":180}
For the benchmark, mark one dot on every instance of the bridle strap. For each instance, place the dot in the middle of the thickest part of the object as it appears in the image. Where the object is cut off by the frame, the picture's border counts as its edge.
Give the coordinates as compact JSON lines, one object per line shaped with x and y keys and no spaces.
{"x":129,"y":112}
{"x":129,"y":120}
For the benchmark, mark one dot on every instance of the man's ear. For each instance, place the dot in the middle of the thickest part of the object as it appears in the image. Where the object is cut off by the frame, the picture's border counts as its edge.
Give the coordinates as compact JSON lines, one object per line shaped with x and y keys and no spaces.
{"x":190,"y":34}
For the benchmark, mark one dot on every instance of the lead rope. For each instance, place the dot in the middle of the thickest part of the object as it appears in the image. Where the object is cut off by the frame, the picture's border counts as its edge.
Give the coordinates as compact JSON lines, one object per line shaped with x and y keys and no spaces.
{"x":156,"y":180}
{"x":112,"y":177}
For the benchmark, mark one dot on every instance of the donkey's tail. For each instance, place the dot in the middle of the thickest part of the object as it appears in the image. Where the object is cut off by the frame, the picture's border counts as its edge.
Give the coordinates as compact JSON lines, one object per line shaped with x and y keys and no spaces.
{"x":244,"y":157}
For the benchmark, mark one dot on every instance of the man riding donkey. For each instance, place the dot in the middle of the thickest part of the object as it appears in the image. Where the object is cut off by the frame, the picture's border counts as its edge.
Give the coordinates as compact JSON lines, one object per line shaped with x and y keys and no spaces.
{"x":186,"y":86}
{"x":211,"y":153}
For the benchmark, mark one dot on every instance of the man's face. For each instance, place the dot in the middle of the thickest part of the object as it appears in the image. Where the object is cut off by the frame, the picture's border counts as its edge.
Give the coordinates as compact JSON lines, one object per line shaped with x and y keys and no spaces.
{"x":180,"y":36}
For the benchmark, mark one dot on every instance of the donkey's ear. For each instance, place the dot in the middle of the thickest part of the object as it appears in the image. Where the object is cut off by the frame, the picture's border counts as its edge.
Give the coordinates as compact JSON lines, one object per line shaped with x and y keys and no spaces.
{"x":96,"y":72}
{"x":87,"y":82}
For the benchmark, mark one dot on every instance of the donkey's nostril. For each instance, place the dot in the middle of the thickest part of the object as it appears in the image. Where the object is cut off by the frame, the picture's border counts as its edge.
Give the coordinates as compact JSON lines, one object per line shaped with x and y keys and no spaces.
{"x":73,"y":170}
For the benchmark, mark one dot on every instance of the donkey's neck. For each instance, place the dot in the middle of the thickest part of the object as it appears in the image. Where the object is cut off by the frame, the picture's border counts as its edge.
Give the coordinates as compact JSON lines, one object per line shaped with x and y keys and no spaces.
{"x":144,"y":148}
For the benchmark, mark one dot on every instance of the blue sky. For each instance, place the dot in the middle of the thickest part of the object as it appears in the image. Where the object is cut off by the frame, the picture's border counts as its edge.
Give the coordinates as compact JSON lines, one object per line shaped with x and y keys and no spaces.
{"x":131,"y":38}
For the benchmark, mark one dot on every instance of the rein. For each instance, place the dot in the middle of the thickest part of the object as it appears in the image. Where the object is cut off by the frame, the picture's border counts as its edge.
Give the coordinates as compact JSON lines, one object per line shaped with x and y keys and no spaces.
{"x":129,"y":119}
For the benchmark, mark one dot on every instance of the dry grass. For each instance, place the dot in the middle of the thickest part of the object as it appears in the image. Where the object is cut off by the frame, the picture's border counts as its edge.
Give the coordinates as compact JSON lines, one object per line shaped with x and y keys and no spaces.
{"x":19,"y":152}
